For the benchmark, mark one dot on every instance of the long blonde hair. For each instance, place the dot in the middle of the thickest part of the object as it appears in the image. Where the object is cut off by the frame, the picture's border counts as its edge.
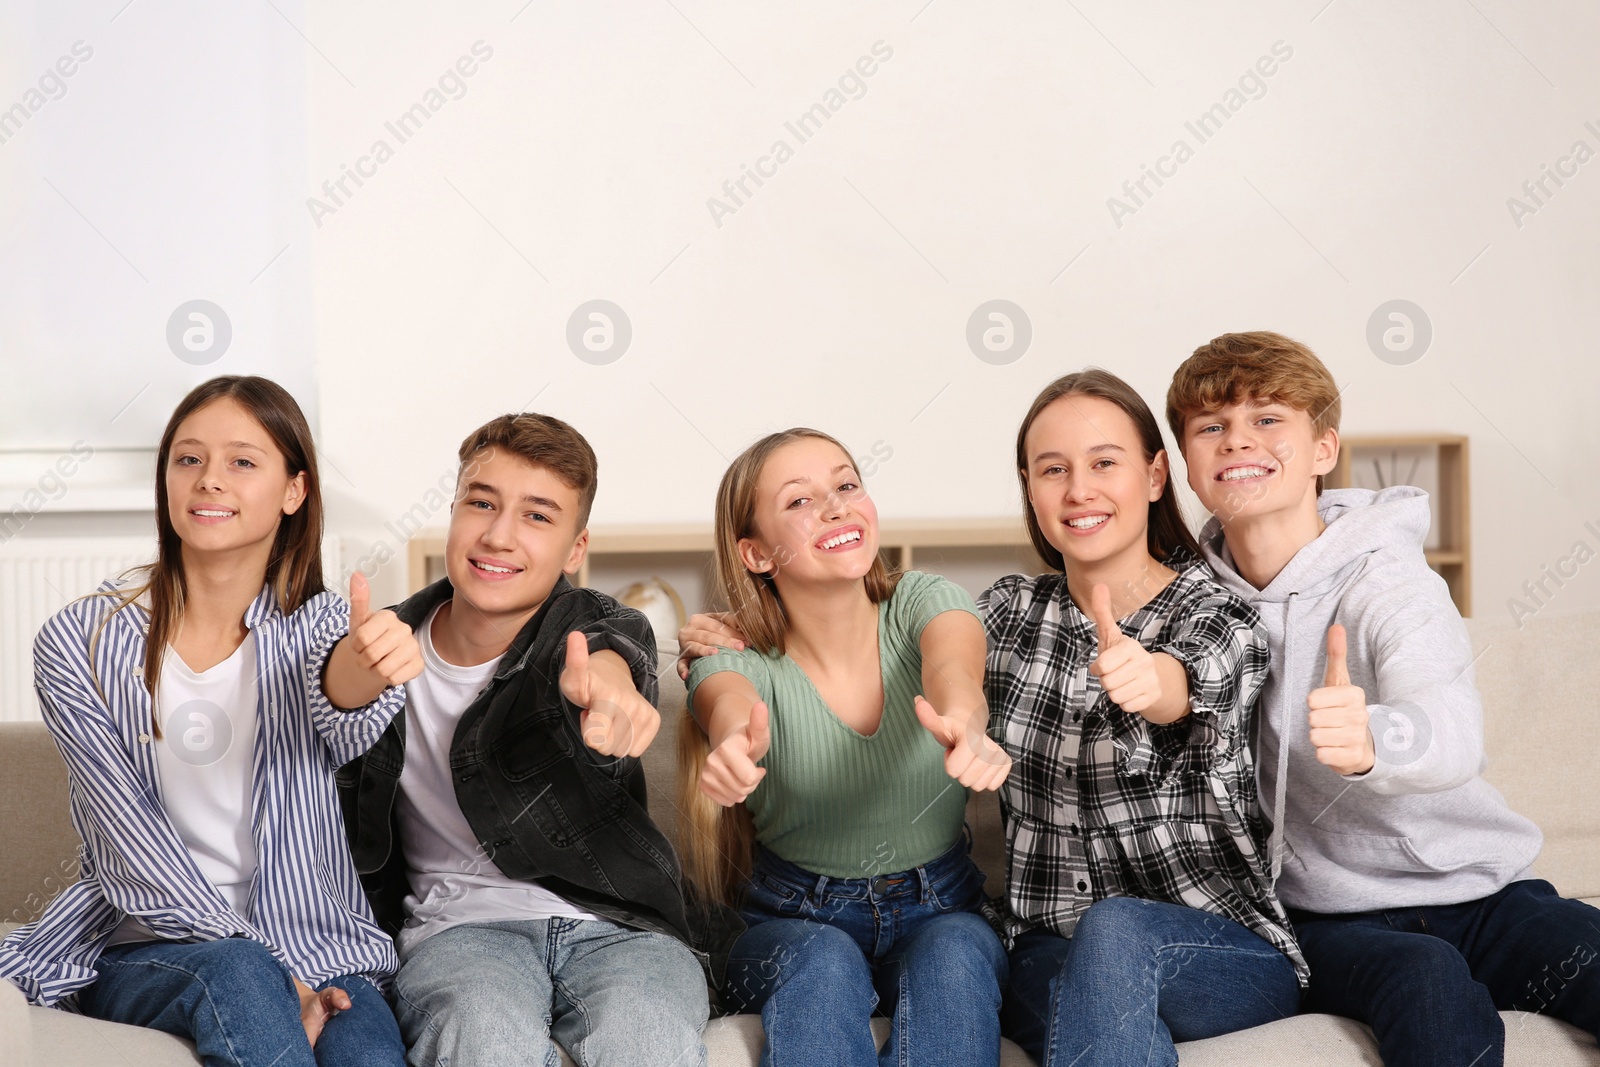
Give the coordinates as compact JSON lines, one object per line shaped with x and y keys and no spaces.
{"x":718,"y":843}
{"x":294,"y":569}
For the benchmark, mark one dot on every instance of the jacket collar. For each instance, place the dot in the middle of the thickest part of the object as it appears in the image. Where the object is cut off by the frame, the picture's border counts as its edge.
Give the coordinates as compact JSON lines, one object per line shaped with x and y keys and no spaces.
{"x":416,"y":608}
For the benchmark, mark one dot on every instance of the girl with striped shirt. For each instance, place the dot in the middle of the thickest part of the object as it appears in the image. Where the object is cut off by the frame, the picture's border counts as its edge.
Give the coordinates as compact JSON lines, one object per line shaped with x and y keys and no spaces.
{"x":218,"y":901}
{"x":824,"y":791}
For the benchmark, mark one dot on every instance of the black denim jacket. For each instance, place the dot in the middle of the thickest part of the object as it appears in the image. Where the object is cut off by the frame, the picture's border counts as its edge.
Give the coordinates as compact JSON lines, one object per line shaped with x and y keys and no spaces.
{"x":544,"y":805}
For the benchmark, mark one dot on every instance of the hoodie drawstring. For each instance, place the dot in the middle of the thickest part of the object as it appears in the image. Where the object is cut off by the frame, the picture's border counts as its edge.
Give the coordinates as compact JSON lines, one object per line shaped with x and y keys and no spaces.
{"x":1280,"y":787}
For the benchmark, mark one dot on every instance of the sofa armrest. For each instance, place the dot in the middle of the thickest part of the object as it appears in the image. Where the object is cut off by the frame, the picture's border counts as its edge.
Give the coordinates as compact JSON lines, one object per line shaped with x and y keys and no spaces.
{"x":16,"y":1026}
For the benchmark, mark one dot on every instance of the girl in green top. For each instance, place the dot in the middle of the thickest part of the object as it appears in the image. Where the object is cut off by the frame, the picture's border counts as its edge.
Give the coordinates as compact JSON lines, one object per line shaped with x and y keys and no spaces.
{"x":826,"y":785}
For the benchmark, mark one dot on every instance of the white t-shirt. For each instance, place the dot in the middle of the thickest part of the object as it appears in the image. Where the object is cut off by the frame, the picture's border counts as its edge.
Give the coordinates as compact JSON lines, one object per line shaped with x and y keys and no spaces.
{"x":452,"y":879}
{"x":204,"y":770}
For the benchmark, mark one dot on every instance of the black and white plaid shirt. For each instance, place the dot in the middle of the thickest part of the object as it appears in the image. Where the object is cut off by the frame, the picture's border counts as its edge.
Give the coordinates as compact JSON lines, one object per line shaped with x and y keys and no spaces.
{"x":1103,"y":803}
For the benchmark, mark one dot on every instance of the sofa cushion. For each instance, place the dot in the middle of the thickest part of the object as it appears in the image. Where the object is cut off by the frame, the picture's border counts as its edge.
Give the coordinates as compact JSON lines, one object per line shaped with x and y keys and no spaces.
{"x":1541,"y":697}
{"x":61,"y":1039}
{"x":37,"y":839}
{"x":1327,"y":1040}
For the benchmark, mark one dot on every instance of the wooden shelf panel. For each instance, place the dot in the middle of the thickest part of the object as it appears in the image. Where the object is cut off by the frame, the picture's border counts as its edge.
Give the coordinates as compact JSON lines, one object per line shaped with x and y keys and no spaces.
{"x":1451,"y":506}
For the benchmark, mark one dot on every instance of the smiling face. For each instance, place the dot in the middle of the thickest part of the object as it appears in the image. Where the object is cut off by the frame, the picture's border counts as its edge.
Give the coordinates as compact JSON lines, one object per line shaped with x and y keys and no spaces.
{"x":227,"y":484}
{"x":1089,"y":484}
{"x":513,"y":533}
{"x":813,"y":522}
{"x":1257,"y":458}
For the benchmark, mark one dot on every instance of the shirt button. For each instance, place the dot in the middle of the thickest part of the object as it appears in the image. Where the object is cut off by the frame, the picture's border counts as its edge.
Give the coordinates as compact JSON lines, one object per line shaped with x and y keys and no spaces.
{"x":144,"y":739}
{"x":1082,"y":886}
{"x":1072,"y":827}
{"x":1066,"y":772}
{"x":1077,"y":716}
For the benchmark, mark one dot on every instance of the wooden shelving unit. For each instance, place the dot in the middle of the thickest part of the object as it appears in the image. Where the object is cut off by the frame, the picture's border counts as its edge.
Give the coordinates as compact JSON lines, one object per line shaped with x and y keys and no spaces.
{"x":972,"y":552}
{"x":1441,"y":460}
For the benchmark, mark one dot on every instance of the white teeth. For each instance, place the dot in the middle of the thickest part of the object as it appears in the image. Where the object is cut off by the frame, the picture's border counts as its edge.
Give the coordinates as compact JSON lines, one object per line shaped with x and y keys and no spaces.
{"x":491,"y":568}
{"x":842,"y":539}
{"x":1244,"y":472}
{"x":213,"y":514}
{"x":1087,"y":521}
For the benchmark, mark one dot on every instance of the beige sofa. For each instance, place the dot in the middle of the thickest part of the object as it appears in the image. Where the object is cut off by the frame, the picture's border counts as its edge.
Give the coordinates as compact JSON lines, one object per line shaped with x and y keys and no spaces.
{"x":1541,"y":688}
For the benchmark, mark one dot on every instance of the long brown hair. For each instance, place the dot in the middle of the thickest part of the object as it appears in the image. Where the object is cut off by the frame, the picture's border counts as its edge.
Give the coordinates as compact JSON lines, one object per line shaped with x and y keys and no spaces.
{"x":294,"y":569}
{"x":1165,"y":532}
{"x":718,"y":843}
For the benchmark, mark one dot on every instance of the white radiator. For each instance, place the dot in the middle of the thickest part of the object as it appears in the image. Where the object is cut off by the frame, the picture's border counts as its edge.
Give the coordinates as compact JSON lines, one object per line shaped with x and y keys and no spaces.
{"x":38,"y":576}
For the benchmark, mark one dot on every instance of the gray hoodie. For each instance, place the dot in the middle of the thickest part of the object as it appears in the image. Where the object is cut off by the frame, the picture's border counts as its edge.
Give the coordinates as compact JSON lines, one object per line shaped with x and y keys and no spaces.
{"x":1422,"y":826}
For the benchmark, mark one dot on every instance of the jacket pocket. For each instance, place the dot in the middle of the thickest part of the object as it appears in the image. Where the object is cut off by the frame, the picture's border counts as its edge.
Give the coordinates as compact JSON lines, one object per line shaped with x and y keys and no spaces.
{"x":535,"y":745}
{"x":567,"y":795}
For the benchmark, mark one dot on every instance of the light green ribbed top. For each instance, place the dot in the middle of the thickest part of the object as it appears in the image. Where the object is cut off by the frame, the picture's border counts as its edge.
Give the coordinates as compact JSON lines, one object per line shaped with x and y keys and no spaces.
{"x":842,"y":803}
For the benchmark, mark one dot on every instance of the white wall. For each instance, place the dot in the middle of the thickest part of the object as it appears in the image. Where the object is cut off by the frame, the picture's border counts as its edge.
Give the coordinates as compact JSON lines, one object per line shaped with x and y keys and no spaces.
{"x":151,"y":155}
{"x":977,"y":164}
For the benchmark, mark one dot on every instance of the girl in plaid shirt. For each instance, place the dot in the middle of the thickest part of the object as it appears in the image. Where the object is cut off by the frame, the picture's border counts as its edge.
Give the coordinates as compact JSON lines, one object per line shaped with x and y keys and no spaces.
{"x":1138,"y":907}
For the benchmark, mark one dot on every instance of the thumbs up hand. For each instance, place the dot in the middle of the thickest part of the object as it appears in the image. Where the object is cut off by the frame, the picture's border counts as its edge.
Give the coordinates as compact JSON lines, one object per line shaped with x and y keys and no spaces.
{"x":730,"y":773}
{"x":384,"y":646}
{"x":1339,"y":727}
{"x":1126,"y":669}
{"x":617,"y":720}
{"x":971,"y":757}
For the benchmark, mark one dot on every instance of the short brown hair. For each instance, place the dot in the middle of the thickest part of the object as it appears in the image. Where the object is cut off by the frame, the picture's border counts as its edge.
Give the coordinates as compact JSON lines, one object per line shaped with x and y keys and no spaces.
{"x":1259,"y":365}
{"x":543,"y":441}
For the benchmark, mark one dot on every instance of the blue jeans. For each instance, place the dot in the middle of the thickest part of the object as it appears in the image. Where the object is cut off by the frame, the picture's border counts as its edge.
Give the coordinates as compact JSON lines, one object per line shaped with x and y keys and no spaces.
{"x":1138,"y":976}
{"x":238,"y":1004}
{"x":1431,"y":981}
{"x":502,"y":993}
{"x":821,"y":953}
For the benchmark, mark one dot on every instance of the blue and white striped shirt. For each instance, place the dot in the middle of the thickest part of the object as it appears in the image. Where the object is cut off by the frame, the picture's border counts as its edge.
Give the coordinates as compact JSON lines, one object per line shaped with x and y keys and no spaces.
{"x":306,"y":901}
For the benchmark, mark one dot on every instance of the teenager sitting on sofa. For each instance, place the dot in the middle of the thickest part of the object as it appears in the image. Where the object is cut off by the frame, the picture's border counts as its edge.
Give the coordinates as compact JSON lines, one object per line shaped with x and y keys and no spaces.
{"x":1407,"y":876}
{"x":500,"y":823}
{"x":217,"y":900}
{"x":825,"y":793}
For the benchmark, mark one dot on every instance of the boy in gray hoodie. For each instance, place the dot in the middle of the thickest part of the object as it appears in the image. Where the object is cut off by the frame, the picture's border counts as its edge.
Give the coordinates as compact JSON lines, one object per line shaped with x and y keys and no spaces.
{"x":1407,"y":877}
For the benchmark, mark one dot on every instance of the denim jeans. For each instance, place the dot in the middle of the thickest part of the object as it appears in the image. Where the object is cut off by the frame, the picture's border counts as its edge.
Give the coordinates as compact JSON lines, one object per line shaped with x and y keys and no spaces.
{"x":237,"y":1003}
{"x":1137,"y":976}
{"x":1431,"y":981}
{"x":821,"y":953}
{"x":501,"y":994}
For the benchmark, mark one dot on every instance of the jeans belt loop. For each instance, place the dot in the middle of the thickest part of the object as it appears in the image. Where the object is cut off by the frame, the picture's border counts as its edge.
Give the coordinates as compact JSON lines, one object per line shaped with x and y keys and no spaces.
{"x":925,"y":881}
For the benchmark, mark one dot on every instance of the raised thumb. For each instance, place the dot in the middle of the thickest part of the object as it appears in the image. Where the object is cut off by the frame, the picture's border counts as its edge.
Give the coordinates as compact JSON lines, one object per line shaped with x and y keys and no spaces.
{"x":1338,"y":672}
{"x":760,"y":732}
{"x":360,"y":600}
